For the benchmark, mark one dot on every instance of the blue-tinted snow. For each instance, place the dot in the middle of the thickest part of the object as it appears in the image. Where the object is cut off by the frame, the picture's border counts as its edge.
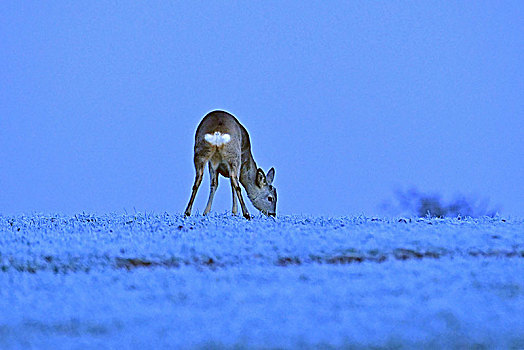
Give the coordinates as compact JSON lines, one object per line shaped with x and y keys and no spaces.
{"x":155,"y":281}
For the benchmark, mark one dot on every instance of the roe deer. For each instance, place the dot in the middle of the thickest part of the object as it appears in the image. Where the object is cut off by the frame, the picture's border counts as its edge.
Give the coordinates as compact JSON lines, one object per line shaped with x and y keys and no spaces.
{"x":223,"y":143}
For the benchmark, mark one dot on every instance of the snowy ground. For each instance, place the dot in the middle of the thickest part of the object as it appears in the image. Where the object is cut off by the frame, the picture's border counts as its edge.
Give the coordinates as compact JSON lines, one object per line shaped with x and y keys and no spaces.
{"x":163,"y":281}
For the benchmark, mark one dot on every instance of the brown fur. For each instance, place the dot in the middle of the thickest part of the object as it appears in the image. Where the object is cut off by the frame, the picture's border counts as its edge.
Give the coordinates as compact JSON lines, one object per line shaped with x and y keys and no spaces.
{"x":232,"y":160}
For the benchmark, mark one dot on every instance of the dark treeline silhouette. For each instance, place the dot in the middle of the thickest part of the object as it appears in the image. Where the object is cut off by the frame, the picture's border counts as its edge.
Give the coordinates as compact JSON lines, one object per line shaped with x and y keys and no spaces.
{"x":415,"y":202}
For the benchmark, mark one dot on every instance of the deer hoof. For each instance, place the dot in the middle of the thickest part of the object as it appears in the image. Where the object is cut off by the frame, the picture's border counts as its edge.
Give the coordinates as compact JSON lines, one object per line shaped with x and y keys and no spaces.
{"x":247,"y":216}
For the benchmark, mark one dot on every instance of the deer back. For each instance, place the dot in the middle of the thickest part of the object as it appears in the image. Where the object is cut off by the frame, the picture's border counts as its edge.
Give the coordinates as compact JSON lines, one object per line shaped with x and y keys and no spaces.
{"x":224,"y":123}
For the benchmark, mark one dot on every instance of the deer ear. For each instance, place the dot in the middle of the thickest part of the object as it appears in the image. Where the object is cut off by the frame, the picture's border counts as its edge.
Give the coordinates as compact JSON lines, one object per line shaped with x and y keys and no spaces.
{"x":261,"y":178}
{"x":270,"y":176}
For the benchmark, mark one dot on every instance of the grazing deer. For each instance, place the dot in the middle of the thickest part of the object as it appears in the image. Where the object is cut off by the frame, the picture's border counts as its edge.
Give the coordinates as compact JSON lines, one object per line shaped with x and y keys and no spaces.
{"x":223,"y":143}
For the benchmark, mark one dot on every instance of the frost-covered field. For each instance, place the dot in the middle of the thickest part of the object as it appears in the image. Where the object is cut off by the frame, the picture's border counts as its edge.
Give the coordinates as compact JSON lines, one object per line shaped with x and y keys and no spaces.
{"x":164,"y":281}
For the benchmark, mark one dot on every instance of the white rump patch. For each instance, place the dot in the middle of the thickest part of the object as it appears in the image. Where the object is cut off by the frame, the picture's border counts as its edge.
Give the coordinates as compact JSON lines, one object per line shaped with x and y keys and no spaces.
{"x":217,"y":139}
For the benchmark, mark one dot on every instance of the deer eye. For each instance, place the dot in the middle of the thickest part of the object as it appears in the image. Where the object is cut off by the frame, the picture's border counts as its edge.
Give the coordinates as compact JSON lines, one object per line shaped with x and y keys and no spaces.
{"x":270,"y":199}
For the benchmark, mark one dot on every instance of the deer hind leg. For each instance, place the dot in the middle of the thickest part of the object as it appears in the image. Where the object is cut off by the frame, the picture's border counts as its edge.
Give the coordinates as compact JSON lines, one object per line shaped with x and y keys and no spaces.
{"x":199,"y":169}
{"x":236,"y":186}
{"x":213,"y":176}
{"x":235,"y":207}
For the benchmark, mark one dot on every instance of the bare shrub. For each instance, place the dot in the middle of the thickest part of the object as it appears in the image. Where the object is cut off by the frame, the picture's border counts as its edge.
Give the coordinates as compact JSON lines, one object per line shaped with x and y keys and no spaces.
{"x":417,"y":203}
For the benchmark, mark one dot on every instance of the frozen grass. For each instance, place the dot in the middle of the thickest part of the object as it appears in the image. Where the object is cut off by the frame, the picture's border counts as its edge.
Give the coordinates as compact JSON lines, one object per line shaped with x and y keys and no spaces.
{"x":164,"y":281}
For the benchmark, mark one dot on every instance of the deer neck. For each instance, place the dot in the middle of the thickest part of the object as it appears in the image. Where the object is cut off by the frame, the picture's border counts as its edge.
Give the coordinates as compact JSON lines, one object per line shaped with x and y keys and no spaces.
{"x":248,"y":175}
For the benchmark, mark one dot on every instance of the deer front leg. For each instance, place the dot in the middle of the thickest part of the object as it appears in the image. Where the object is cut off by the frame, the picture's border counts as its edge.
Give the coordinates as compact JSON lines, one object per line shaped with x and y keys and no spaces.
{"x":199,"y":167}
{"x":235,"y":208}
{"x":213,"y":176}
{"x":235,"y":184}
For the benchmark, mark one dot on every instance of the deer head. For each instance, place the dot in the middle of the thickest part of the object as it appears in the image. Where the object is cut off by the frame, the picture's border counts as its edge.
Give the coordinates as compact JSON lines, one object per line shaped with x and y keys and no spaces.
{"x":263,"y":195}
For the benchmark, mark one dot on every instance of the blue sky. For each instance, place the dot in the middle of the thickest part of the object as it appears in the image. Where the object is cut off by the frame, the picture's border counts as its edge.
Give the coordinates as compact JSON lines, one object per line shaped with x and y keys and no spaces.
{"x":347,"y":100}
